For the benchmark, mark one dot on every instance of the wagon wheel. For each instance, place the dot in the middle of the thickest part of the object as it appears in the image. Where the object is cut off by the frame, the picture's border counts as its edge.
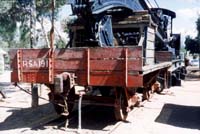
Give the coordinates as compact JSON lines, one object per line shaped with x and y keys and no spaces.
{"x":146,"y":93}
{"x":160,"y":89}
{"x":120,"y":105}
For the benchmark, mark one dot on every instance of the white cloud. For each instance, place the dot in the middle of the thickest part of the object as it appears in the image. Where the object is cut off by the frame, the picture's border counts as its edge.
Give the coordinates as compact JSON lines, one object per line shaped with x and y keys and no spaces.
{"x":185,"y":22}
{"x":190,"y":1}
{"x":188,"y":12}
{"x":184,"y":32}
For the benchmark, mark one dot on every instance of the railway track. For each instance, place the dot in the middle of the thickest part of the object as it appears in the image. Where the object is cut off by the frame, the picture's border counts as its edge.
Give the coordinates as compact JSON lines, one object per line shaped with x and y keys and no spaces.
{"x":95,"y":120}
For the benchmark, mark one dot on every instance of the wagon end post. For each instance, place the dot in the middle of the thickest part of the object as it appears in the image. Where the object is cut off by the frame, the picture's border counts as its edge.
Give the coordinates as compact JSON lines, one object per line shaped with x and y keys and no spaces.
{"x":35,"y":96}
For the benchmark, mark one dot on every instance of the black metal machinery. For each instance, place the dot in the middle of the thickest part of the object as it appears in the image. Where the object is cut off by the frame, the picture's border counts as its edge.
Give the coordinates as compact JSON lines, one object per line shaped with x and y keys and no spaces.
{"x":97,"y":18}
{"x":97,"y":24}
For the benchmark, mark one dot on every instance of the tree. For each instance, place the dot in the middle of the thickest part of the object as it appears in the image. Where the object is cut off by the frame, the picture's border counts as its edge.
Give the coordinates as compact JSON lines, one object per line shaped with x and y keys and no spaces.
{"x":198,"y":27}
{"x":198,"y":37}
{"x":15,"y":20}
{"x":9,"y":20}
{"x":198,"y":34}
{"x":193,"y":44}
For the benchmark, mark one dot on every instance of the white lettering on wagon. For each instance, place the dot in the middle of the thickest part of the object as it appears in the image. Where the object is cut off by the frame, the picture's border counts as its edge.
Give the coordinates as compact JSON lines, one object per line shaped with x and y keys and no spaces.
{"x":35,"y":63}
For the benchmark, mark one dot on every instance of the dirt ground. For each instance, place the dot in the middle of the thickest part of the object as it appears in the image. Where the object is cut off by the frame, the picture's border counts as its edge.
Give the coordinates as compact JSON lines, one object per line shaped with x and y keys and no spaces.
{"x":177,"y":110}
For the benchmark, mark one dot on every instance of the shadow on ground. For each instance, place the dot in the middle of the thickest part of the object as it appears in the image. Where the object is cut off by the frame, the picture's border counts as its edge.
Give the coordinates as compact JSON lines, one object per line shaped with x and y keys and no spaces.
{"x":95,"y":118}
{"x":193,"y":75}
{"x":26,"y":117}
{"x":180,"y":116}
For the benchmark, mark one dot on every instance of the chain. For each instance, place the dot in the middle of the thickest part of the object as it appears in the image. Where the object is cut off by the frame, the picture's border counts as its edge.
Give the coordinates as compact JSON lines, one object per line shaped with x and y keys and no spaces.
{"x":24,"y":90}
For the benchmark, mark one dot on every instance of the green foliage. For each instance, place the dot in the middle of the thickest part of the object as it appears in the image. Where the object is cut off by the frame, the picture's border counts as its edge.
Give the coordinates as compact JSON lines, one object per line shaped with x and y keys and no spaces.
{"x":198,"y":27}
{"x":15,"y":20}
{"x":8,"y":23}
{"x":60,"y":44}
{"x":43,"y":7}
{"x":193,"y":44}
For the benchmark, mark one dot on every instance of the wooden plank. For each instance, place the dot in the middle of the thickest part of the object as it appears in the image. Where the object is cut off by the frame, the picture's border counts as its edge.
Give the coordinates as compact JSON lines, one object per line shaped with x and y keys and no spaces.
{"x":115,"y":79}
{"x":100,"y":65}
{"x":115,"y":65}
{"x":96,"y":78}
{"x":150,"y":53}
{"x":135,"y":52}
{"x":150,"y":57}
{"x":37,"y":77}
{"x":135,"y":65}
{"x":77,"y":64}
{"x":155,"y":67}
{"x":150,"y":45}
{"x":106,"y":65}
{"x":32,"y":70}
{"x":163,"y":56}
{"x":35,"y":53}
{"x":151,"y":30}
{"x":64,"y":54}
{"x":35,"y":63}
{"x":116,"y":53}
{"x":150,"y":61}
{"x":82,"y":79}
{"x":150,"y":38}
{"x":107,"y":79}
{"x":31,"y":77}
{"x":135,"y":81}
{"x":28,"y":56}
{"x":106,"y":53}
